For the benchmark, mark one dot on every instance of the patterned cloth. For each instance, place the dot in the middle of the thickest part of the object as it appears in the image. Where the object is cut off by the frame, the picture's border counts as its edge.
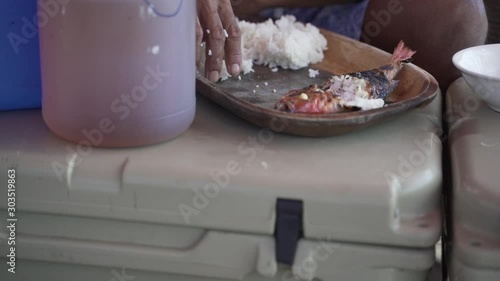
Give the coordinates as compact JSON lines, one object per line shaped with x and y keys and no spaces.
{"x":343,"y":19}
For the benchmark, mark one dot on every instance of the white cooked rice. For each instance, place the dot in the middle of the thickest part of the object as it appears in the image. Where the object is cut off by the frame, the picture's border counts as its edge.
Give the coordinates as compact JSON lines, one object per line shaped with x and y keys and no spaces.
{"x":286,"y":43}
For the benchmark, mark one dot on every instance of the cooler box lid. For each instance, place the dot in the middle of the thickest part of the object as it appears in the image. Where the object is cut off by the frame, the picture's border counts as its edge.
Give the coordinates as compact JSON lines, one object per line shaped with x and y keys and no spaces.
{"x":378,"y":186}
{"x":475,"y":153}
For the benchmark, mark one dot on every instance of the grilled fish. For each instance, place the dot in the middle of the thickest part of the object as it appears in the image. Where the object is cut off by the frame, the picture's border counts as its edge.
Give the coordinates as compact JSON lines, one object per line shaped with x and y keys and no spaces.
{"x":360,"y":90}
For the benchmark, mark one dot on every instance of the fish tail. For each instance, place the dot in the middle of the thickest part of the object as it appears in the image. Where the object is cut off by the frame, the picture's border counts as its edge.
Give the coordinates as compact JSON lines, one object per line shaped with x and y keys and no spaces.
{"x":402,"y":54}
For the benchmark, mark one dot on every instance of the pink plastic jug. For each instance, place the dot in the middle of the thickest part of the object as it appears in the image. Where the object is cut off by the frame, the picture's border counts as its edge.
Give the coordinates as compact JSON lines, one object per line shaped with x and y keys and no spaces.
{"x":118,"y":73}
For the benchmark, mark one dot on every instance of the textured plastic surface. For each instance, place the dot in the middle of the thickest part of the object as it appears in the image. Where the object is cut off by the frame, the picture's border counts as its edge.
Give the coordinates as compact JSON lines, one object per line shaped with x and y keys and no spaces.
{"x":220,"y":256}
{"x":215,"y":254}
{"x":463,"y":272}
{"x":226,"y":174}
{"x":475,"y":153}
{"x":20,"y":80}
{"x":43,"y":271}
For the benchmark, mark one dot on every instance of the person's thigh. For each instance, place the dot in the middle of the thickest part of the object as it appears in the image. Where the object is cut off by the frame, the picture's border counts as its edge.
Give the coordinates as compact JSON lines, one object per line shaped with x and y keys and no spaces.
{"x":435,"y":29}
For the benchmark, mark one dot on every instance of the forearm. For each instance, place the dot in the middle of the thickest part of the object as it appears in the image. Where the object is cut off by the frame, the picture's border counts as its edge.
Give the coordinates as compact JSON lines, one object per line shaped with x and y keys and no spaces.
{"x":301,"y":3}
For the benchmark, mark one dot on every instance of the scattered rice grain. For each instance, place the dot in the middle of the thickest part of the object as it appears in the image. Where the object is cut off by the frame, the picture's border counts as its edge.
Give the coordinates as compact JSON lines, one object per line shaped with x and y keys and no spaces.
{"x":313,"y":73}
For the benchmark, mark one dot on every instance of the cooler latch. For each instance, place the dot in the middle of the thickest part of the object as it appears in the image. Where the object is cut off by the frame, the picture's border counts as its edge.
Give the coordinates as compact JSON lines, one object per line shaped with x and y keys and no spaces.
{"x":288,"y":229}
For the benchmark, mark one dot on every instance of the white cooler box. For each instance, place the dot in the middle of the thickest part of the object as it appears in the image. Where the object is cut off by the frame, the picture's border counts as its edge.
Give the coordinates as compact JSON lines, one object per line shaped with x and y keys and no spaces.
{"x":226,"y":201}
{"x":475,"y":153}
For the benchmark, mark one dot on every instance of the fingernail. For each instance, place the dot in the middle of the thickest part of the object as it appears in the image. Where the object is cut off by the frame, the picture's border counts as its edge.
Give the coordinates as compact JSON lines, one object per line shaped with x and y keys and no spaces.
{"x":235,"y":69}
{"x":214,"y":76}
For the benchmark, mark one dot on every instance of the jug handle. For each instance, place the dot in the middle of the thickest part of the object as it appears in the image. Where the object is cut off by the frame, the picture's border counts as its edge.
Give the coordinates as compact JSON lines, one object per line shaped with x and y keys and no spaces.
{"x":165,"y":15}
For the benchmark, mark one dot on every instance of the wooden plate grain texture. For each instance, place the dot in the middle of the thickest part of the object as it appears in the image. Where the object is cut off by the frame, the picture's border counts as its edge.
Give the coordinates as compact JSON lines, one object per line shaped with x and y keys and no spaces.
{"x":253,"y":99}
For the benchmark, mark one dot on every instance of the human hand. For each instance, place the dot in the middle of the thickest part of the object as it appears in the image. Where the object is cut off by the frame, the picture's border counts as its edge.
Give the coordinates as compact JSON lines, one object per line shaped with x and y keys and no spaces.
{"x":215,"y":18}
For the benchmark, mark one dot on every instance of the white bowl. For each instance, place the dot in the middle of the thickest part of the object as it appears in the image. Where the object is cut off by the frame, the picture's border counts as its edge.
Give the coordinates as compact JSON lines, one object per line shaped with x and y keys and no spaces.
{"x":480,"y":66}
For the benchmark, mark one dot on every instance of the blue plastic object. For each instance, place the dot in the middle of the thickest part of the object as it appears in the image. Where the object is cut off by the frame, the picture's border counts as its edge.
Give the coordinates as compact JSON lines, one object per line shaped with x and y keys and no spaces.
{"x":20,"y":78}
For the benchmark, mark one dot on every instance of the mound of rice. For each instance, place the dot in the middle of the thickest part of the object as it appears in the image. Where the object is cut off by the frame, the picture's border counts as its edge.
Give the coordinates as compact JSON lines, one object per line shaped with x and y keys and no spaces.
{"x":286,"y":43}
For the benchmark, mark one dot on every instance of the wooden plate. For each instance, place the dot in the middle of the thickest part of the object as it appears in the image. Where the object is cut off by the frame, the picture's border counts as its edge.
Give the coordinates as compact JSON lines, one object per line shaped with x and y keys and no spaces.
{"x":344,"y":55}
